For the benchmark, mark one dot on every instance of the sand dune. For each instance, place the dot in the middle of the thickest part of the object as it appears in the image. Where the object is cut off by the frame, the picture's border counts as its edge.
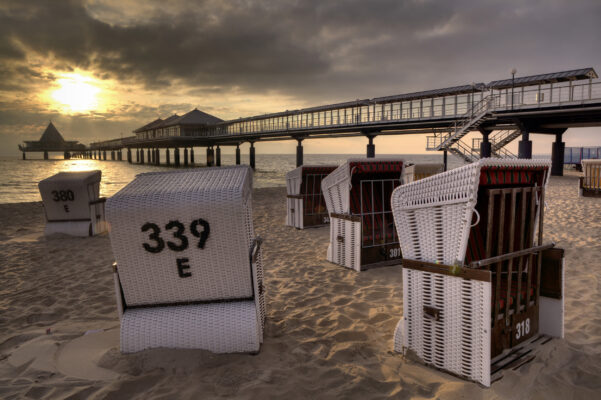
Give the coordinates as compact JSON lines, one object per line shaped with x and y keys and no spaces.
{"x":328,"y":330}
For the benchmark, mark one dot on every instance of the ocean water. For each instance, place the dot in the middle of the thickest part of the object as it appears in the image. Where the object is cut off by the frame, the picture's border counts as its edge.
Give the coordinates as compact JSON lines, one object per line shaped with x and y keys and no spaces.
{"x":19,"y":178}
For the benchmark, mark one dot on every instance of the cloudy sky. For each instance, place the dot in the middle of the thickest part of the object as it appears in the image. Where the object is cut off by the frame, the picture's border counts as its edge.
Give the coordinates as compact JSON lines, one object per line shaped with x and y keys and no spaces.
{"x":100,"y":68}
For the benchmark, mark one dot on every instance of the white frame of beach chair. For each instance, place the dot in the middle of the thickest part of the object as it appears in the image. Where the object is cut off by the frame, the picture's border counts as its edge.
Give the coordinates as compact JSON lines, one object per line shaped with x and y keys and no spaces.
{"x":590,"y":183}
{"x":295,"y":200}
{"x":448,"y":318}
{"x":62,"y":191}
{"x":216,"y":302}
{"x":346,"y":245}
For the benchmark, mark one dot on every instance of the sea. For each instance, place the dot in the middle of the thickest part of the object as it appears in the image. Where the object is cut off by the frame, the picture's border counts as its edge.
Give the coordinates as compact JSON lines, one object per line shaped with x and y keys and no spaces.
{"x":19,"y":178}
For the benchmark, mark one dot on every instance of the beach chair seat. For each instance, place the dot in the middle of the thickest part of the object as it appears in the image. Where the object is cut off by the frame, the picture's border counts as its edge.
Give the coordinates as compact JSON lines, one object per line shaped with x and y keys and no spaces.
{"x":357,"y":196}
{"x":72,"y":203}
{"x":306,"y":206}
{"x":590,"y":183}
{"x":478,"y":283}
{"x":188,"y":270}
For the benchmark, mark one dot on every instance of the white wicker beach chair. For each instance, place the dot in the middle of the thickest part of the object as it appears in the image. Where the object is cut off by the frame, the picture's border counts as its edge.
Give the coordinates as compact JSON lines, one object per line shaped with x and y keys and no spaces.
{"x":72,"y":203}
{"x":188,"y":266}
{"x":306,"y":206}
{"x":357,"y":195}
{"x":590,"y":183}
{"x":416,"y":172}
{"x":478,"y":284}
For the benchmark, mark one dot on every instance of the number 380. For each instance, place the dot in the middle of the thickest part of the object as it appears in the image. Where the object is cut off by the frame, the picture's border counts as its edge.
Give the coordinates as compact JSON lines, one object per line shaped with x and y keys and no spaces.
{"x":182,"y":239}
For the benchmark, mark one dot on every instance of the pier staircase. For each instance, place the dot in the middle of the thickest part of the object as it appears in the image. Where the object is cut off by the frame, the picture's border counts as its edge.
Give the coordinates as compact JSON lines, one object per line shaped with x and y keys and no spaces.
{"x":451,"y":140}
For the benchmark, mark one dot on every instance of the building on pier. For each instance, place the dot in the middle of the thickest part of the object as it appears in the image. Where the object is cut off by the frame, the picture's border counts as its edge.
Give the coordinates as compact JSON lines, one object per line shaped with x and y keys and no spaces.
{"x":51,"y":140}
{"x":191,"y":124}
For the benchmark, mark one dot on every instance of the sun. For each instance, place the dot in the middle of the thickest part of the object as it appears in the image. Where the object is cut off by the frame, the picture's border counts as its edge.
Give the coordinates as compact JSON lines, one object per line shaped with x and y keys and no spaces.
{"x":76,"y":93}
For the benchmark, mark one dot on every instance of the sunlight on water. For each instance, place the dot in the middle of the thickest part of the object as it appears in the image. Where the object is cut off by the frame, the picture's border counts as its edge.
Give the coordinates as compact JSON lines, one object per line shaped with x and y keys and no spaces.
{"x":19,"y":178}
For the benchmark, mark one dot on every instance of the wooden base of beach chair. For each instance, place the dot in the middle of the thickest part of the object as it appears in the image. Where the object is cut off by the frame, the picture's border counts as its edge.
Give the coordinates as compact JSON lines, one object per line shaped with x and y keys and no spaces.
{"x":297,"y":218}
{"x":588,"y":191}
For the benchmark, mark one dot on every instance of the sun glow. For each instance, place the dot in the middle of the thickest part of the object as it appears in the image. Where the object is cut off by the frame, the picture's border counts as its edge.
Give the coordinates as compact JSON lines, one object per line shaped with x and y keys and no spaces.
{"x":76,"y":93}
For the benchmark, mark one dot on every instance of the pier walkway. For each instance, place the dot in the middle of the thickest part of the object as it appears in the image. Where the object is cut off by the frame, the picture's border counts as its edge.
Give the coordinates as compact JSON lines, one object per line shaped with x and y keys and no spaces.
{"x":501,"y":111}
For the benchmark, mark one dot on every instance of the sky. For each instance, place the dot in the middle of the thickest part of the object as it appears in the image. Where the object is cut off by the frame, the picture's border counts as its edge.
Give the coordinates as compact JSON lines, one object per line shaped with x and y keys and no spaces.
{"x":100,"y":68}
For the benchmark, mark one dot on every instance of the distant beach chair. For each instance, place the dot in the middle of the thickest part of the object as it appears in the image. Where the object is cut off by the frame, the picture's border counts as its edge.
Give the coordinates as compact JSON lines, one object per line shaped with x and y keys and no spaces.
{"x":590,"y":183}
{"x":188,"y":268}
{"x":479,"y":287}
{"x":72,"y":203}
{"x":416,"y":172}
{"x":362,"y":230}
{"x":306,"y":206}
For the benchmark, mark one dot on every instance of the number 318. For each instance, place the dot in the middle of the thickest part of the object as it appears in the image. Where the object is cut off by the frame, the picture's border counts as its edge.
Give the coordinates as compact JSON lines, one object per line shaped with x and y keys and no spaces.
{"x":178,"y":234}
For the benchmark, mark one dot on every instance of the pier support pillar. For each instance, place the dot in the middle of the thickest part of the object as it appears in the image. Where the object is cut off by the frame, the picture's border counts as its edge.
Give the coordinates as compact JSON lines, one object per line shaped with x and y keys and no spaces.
{"x":157,"y":156}
{"x":113,"y":155}
{"x":444,"y":159}
{"x":137,"y":155}
{"x":67,"y":155}
{"x":252,"y":155}
{"x":150,"y":156}
{"x":210,"y":157}
{"x":237,"y":154}
{"x":24,"y":158}
{"x":218,"y":156}
{"x":371,"y":147}
{"x":104,"y":155}
{"x":176,"y":157}
{"x":192,"y":156}
{"x":185,"y":156}
{"x":45,"y":155}
{"x":167,"y":155}
{"x":129,"y":155}
{"x":525,"y":145}
{"x":485,"y":146}
{"x":299,"y":152}
{"x":557,"y":153}
{"x":141,"y":156}
{"x":119,"y":155}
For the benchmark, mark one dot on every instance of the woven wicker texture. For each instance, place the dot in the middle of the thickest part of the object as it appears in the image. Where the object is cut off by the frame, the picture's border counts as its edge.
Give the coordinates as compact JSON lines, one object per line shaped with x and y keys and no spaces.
{"x":345,"y":243}
{"x":220,"y":270}
{"x":420,"y":171}
{"x":459,"y":341}
{"x":433,"y":215}
{"x":231,"y":327}
{"x":336,"y":186}
{"x":67,"y":195}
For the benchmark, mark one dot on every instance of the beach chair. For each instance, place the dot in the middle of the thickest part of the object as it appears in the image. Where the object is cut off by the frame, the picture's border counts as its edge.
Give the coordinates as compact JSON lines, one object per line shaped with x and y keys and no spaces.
{"x":357,"y":195}
{"x":480,"y":289}
{"x":188,"y":268}
{"x":306,"y":206}
{"x":590,"y":183}
{"x":416,"y":172}
{"x":72,"y":203}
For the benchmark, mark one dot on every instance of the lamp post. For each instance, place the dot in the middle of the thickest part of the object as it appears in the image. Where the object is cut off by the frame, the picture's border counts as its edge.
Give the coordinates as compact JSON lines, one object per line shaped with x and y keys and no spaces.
{"x":513,"y":71}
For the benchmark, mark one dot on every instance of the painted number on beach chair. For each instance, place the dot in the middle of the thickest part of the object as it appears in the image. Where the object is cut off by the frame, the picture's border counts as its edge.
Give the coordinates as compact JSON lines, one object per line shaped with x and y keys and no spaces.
{"x":395,"y":252}
{"x":63,"y":195}
{"x":522,"y":328}
{"x":181,"y":242}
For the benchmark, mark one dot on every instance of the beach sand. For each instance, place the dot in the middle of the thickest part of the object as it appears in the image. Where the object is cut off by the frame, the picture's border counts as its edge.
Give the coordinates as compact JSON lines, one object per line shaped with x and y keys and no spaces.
{"x":328,"y":332}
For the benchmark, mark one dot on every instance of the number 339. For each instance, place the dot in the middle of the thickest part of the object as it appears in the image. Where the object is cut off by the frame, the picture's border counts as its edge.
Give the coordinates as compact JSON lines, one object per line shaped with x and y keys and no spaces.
{"x":182,"y":240}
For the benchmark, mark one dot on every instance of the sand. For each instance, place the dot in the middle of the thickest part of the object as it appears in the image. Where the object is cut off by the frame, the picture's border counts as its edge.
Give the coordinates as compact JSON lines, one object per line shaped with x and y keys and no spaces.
{"x":328,"y":333}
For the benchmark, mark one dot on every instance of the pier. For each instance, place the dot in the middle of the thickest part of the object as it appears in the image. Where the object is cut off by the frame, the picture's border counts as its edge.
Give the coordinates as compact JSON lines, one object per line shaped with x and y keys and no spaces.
{"x":52,"y":141}
{"x":500,"y":111}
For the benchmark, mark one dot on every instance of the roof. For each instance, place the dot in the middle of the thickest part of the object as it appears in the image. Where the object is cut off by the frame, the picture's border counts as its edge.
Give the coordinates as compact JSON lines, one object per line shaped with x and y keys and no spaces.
{"x":572,"y":75}
{"x":51,"y":135}
{"x":194,"y":117}
{"x":464,"y":89}
{"x":150,"y":125}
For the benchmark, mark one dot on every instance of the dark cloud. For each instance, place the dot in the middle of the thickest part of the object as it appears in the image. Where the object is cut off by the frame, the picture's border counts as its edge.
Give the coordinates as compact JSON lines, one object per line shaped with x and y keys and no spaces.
{"x":312,"y":50}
